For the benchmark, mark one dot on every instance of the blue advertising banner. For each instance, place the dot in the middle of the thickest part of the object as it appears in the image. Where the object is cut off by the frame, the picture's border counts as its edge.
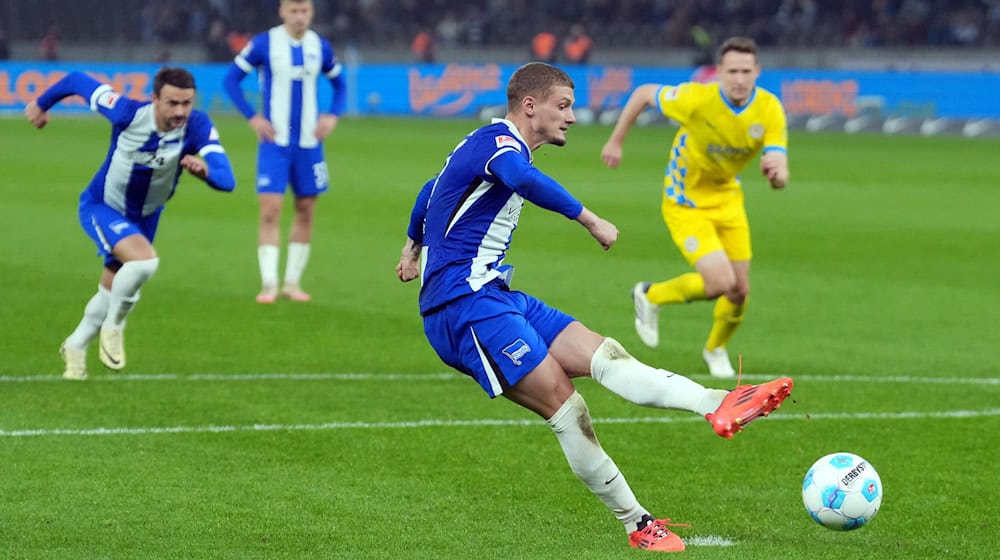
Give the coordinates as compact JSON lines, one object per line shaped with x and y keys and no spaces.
{"x":464,"y":89}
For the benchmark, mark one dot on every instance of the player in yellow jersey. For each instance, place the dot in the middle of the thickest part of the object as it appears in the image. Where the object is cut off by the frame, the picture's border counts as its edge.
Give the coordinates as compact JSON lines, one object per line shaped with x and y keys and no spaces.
{"x":723,"y":126}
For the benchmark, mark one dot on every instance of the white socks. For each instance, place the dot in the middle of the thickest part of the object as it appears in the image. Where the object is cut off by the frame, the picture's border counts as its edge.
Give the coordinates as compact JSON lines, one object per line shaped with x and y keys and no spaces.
{"x":298,"y":256}
{"x":267,"y":258}
{"x":125,"y":290}
{"x":571,"y":424}
{"x":93,"y":316}
{"x":616,"y":369}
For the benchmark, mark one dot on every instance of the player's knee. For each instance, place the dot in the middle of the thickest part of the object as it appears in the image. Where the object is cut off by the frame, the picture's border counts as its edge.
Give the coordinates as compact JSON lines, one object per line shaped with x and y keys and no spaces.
{"x":607,"y":356}
{"x":738,"y":295}
{"x":269,"y":216}
{"x":144,"y":269}
{"x":716,"y":286}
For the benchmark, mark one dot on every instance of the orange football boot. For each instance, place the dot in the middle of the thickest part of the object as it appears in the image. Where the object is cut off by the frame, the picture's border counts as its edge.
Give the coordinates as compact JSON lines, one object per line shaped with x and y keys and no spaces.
{"x":656,"y":537}
{"x":746,"y":403}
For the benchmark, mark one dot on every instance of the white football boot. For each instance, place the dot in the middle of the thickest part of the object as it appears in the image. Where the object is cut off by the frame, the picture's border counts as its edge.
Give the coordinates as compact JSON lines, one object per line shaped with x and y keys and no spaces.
{"x":718,"y":362}
{"x":76,"y":363}
{"x":113,"y":348}
{"x":647,"y":316}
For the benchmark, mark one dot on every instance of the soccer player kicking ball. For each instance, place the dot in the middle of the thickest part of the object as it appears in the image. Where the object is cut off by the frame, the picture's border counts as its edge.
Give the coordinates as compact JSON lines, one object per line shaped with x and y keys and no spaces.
{"x":515,"y":345}
{"x":723,"y":126}
{"x":152,"y":142}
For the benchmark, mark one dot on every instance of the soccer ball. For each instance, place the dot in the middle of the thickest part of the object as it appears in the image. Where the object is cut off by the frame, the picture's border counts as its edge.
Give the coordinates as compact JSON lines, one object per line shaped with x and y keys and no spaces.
{"x":842,"y":491}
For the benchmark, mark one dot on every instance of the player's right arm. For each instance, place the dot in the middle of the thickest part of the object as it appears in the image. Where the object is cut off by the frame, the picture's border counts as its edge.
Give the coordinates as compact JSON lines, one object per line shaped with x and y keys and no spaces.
{"x":644,"y":96}
{"x":252,"y":56}
{"x":100,"y":97}
{"x":528,"y":181}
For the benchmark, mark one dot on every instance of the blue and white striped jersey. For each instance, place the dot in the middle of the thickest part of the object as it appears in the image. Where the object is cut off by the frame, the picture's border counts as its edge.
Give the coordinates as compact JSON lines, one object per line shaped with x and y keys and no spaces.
{"x":288,"y":70}
{"x":466,"y":217}
{"x":142,"y":166}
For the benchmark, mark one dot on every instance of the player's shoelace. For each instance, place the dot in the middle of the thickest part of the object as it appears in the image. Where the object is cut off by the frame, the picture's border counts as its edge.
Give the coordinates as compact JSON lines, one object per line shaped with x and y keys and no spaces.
{"x":657,"y":529}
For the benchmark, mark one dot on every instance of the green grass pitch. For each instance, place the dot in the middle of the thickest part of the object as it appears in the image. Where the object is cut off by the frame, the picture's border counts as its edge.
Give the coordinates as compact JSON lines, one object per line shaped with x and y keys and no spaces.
{"x":331,"y":430}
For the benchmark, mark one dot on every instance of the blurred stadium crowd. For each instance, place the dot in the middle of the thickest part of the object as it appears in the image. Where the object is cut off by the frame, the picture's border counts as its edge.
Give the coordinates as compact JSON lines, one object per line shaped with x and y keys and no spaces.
{"x":222,"y":25}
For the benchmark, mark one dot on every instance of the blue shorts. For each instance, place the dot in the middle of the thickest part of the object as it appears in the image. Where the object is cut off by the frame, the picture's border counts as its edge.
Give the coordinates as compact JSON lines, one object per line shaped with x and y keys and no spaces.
{"x":107,"y":226}
{"x":303,"y":168}
{"x":495,"y":335}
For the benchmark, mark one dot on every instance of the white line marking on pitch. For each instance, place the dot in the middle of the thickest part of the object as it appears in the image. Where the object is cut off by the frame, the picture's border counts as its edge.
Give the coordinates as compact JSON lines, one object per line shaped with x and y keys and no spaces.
{"x":708,"y":540}
{"x":902,"y":379}
{"x":432,"y":423}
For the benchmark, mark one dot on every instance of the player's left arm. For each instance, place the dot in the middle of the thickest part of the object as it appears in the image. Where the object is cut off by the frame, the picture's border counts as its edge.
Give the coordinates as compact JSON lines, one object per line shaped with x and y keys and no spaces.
{"x":774,"y":161}
{"x":211,"y":164}
{"x":334,"y":71}
{"x":774,"y":166}
{"x":409,"y":261}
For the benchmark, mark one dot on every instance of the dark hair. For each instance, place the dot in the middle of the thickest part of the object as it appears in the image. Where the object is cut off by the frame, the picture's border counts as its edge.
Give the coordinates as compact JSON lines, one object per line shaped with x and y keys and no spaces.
{"x":534,"y":79}
{"x":177,"y":77}
{"x":738,"y":44}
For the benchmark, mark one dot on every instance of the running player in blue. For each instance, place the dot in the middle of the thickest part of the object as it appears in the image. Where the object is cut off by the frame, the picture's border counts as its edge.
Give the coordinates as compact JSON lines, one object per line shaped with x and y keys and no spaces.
{"x":289,"y":59}
{"x":514,"y":344}
{"x":152,"y":142}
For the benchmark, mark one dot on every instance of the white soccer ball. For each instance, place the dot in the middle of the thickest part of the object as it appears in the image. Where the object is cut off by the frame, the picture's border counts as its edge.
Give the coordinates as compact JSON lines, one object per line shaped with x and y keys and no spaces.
{"x":842,"y":491}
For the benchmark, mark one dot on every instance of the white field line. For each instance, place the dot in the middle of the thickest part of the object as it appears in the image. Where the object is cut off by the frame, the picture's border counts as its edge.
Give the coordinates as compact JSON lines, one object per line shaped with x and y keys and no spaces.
{"x":435,"y":423}
{"x":105,"y":377}
{"x":708,"y":540}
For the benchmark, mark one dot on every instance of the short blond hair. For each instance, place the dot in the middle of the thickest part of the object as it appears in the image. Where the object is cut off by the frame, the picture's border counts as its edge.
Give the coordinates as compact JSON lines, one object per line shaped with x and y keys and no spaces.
{"x":535,"y":79}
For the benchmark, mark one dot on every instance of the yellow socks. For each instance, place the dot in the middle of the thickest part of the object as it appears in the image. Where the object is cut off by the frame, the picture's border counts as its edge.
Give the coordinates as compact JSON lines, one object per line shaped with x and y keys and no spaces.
{"x":727,"y":316}
{"x":681,"y":289}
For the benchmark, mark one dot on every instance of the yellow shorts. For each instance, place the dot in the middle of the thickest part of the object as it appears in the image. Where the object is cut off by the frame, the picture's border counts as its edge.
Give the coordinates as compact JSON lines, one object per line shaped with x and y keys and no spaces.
{"x":700,"y":231}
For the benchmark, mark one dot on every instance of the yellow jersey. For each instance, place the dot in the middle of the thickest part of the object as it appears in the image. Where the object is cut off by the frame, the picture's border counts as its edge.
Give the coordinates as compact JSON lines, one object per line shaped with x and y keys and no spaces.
{"x":716,"y":140}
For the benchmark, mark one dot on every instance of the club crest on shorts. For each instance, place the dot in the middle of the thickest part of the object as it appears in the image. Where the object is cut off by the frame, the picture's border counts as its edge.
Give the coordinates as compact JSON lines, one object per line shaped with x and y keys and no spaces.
{"x":516,"y":350}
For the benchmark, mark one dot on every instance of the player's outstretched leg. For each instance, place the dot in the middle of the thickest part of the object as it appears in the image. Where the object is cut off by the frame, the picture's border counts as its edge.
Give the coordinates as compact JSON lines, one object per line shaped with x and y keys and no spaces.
{"x":746,"y":403}
{"x":647,"y":316}
{"x":653,"y":534}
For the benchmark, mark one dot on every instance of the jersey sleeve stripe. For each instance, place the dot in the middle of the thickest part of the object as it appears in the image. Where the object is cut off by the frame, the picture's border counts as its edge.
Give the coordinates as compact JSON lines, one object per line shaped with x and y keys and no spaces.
{"x":335,"y":71}
{"x":775,"y":149}
{"x":101,"y":90}
{"x":504,"y":150}
{"x":243,"y":64}
{"x":211,"y":149}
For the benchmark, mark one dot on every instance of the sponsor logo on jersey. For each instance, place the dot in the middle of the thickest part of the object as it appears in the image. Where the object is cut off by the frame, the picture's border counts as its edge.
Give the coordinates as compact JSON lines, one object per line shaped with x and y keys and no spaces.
{"x":669,"y":94}
{"x":756,"y":131}
{"x":504,"y":140}
{"x":516,"y":350}
{"x":213,"y":134}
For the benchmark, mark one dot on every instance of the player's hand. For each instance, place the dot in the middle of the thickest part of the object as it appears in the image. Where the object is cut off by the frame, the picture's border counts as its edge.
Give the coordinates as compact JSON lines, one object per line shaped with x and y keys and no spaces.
{"x":325,"y":125}
{"x":195,"y":166}
{"x":263,"y":128}
{"x":611,"y":155}
{"x":600,"y":229}
{"x":774,"y":166}
{"x":36,"y":115}
{"x":409,"y":261}
{"x":408,"y":268}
